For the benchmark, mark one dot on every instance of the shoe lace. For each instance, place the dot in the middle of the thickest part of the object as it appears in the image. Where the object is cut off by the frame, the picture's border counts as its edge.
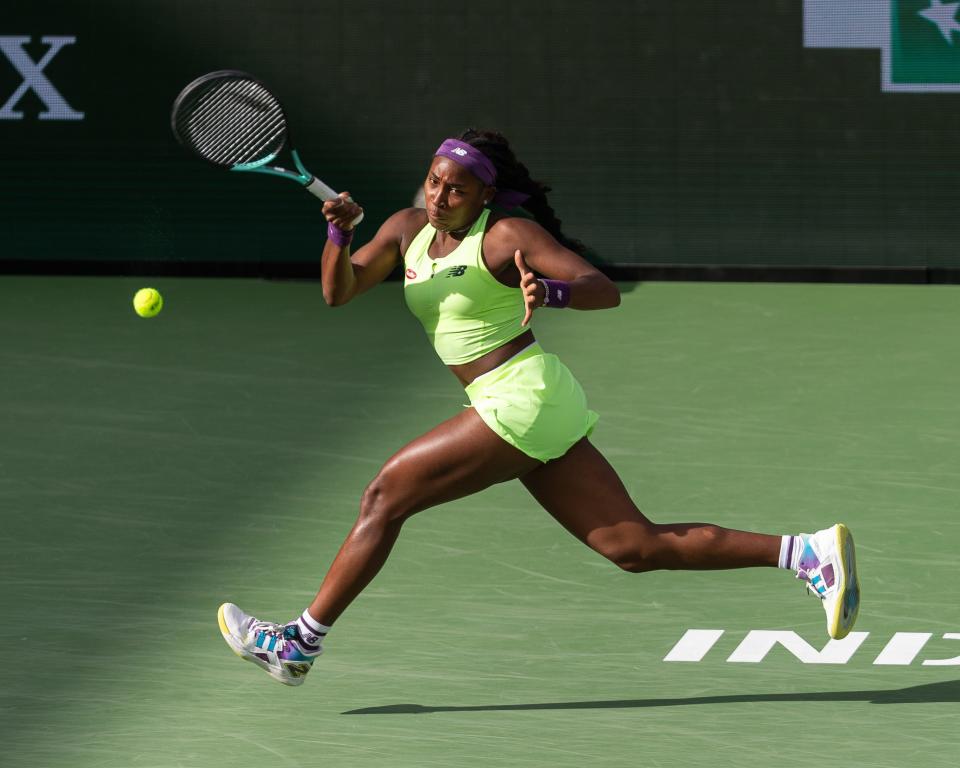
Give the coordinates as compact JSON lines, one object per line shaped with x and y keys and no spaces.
{"x":807,"y":577}
{"x":283,"y":633}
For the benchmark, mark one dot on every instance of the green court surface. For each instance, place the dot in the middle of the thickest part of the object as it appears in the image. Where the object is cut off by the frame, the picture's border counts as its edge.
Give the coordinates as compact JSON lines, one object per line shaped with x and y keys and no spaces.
{"x":152,"y":469}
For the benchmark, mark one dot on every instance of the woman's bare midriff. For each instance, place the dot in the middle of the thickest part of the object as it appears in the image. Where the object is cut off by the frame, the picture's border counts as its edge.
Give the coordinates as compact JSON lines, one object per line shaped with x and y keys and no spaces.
{"x":467,"y":372}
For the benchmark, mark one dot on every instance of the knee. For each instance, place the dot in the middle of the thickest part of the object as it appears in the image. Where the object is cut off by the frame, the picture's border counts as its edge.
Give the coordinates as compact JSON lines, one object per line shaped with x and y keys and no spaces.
{"x":634,"y":552}
{"x":381,"y":504}
{"x":655,"y":547}
{"x":634,"y":562}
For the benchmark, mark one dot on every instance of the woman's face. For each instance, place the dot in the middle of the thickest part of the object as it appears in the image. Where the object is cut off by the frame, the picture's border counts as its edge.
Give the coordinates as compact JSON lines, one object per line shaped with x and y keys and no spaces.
{"x":454,"y":197}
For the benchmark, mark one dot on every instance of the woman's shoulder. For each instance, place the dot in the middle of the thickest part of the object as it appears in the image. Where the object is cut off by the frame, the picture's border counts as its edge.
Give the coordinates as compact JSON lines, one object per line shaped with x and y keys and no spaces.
{"x":504,"y":226}
{"x":406,"y":219}
{"x":504,"y":235}
{"x":405,"y":225}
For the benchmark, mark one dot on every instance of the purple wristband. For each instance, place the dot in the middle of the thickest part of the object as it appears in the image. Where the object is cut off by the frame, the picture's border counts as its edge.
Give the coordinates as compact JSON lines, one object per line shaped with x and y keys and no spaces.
{"x":556,"y":293}
{"x":341,"y":237}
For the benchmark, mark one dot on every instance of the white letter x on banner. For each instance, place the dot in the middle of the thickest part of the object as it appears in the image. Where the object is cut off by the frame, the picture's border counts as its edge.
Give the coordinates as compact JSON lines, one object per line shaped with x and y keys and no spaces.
{"x":33,"y":78}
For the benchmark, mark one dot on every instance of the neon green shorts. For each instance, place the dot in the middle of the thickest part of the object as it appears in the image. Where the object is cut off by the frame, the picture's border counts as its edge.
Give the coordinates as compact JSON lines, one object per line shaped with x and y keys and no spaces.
{"x":534,"y":403}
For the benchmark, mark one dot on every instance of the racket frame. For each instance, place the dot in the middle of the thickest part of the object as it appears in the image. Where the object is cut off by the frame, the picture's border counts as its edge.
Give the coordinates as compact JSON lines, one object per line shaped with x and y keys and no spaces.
{"x":301,"y":175}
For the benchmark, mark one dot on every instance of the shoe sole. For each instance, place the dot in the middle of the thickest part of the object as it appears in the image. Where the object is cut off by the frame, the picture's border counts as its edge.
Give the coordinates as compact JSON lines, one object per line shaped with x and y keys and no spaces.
{"x":238,"y":649}
{"x":842,"y":621}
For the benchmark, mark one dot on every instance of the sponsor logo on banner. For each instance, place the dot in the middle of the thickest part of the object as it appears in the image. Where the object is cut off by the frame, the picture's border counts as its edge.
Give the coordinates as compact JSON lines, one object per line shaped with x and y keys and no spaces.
{"x":902,"y":649}
{"x":34,"y":79}
{"x":919,"y":39}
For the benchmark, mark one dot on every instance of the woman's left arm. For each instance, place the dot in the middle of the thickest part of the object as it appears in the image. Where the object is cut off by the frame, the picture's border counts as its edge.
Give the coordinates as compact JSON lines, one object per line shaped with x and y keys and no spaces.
{"x":569,"y":279}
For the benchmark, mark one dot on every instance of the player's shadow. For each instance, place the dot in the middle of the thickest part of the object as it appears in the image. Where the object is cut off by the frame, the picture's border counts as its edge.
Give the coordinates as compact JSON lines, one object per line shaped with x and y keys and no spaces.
{"x":948,"y":691}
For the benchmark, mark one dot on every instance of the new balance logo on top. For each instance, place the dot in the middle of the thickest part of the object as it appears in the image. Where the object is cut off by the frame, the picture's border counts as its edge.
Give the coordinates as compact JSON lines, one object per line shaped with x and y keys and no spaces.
{"x":920,"y":39}
{"x":34,"y":78}
{"x":901,"y":649}
{"x":457,"y":271}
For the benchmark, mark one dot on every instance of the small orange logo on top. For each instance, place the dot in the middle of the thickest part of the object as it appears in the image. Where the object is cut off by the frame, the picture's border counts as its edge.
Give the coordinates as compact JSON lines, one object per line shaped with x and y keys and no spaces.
{"x":411,"y":275}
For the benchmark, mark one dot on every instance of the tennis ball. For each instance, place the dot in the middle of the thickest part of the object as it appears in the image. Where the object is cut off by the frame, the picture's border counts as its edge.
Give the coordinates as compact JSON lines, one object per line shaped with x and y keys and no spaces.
{"x":148,"y":302}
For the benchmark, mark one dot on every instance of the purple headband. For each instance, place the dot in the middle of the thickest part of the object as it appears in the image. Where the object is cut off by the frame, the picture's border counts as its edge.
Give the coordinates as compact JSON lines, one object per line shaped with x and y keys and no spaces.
{"x":480,"y":166}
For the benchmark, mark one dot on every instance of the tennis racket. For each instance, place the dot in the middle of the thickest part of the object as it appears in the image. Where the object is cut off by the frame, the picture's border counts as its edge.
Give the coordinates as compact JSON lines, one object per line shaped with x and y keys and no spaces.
{"x":230,"y":119}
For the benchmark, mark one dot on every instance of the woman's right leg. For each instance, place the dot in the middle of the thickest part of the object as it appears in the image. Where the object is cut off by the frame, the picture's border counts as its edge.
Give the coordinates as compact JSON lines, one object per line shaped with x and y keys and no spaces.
{"x":455,"y":459}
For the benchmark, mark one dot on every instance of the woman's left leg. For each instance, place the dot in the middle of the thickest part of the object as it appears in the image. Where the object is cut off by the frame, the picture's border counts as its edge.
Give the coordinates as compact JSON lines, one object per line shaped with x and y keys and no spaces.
{"x":582,"y":491}
{"x":584,"y":494}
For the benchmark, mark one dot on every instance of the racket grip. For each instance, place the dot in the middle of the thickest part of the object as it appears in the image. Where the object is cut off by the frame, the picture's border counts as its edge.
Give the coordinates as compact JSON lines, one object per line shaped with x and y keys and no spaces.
{"x":321,"y":190}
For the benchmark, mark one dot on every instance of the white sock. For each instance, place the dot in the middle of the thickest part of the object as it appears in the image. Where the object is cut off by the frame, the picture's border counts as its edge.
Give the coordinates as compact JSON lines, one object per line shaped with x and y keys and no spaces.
{"x":791,"y":547}
{"x":311,"y":633}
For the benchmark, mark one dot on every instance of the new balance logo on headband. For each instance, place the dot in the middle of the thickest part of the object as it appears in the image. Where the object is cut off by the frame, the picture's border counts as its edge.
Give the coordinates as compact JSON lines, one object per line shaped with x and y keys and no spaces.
{"x":459,"y":151}
{"x":34,"y":79}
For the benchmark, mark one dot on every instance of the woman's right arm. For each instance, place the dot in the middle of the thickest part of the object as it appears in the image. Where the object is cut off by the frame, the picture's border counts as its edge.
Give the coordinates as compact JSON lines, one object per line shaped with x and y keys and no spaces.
{"x":345,"y":275}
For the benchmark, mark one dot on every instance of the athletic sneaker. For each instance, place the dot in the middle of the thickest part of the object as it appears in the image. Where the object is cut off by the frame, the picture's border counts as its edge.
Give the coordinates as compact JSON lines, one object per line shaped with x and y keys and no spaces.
{"x":276,"y":648}
{"x":829,"y":567}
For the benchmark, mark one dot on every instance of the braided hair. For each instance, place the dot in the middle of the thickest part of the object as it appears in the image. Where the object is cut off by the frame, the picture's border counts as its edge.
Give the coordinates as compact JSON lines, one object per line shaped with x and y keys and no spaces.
{"x":512,"y":174}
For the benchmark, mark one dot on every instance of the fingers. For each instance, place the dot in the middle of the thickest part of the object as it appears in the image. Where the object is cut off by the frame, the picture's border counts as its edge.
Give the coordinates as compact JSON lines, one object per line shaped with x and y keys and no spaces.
{"x":532,"y":295}
{"x":521,"y":264}
{"x":529,"y":313}
{"x":342,"y":211}
{"x":531,"y":287}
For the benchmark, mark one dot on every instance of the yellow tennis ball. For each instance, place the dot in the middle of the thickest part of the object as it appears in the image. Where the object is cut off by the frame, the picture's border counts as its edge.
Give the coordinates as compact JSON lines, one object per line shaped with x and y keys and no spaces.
{"x":148,"y":302}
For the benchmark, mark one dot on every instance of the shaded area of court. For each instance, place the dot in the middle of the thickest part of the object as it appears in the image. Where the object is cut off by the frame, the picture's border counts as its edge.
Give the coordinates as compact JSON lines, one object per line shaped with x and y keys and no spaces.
{"x":152,"y":469}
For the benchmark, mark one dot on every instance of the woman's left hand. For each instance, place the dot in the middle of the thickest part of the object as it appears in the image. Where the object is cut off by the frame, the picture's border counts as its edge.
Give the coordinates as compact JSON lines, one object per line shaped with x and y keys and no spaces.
{"x":533,"y":291}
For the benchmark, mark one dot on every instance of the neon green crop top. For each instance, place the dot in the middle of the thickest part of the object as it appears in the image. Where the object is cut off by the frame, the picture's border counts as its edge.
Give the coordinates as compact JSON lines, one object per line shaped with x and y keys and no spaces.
{"x":464,"y":309}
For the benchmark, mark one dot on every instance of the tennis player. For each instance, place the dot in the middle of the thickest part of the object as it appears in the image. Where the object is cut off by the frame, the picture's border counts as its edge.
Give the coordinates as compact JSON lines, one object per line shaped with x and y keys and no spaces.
{"x":474,"y":277}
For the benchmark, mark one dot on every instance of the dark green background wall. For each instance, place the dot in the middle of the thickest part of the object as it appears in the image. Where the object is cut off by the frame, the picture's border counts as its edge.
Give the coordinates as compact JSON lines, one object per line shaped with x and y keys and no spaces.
{"x":683,"y":132}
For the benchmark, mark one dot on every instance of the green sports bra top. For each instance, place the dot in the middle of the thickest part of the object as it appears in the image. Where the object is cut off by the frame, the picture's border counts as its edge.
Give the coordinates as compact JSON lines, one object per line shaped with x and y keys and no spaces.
{"x":464,"y":309}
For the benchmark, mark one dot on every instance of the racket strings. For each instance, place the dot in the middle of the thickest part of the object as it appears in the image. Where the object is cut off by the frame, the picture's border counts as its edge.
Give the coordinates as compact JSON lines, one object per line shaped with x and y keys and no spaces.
{"x":233,"y":122}
{"x":227,"y":114}
{"x":234,"y":141}
{"x":235,"y":132}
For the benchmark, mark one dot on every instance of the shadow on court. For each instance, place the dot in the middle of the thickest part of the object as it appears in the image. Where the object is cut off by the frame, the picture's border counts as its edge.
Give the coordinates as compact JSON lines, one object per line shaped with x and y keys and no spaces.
{"x":930,"y":693}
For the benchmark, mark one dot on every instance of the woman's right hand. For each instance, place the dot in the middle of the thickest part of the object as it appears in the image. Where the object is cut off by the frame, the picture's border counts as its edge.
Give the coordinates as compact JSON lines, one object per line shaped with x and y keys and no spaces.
{"x":342,"y":211}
